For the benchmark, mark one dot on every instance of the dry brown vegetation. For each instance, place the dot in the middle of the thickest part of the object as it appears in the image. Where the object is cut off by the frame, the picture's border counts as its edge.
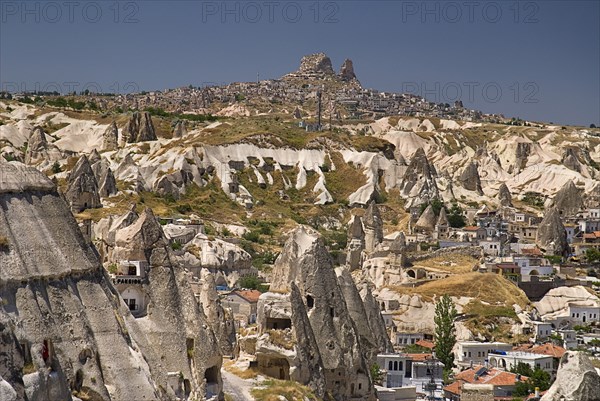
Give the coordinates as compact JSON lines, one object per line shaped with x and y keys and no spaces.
{"x":451,"y":263}
{"x":282,"y":339}
{"x":231,"y":367}
{"x":273,"y":390}
{"x":487,"y":287}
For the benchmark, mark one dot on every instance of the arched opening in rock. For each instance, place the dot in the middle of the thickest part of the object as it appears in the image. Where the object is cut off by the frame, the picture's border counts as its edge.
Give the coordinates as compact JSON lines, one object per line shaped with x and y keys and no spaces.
{"x":278,"y":324}
{"x":187,"y":387}
{"x":383,"y":306}
{"x":310,"y":302}
{"x":211,"y":375}
{"x":277,"y":368}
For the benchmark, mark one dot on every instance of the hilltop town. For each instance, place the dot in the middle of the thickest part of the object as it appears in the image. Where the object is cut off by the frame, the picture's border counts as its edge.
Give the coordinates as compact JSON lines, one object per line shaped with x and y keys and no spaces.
{"x":294,"y":239}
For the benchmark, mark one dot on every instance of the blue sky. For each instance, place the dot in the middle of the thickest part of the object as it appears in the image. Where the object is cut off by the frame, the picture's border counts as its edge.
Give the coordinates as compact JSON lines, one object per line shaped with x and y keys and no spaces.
{"x":531,"y":59}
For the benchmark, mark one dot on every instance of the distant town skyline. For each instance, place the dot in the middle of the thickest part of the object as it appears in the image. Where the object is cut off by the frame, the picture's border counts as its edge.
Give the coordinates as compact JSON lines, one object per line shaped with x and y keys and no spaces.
{"x":529,"y":59}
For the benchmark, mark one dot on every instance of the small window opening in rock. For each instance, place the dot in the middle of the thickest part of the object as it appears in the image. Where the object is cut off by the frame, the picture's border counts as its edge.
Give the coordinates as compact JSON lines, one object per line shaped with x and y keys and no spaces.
{"x":310,"y":301}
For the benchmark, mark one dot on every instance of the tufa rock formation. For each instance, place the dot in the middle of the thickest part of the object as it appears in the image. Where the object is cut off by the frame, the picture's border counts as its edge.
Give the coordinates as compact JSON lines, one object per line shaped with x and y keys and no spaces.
{"x":306,"y":263}
{"x":568,"y":200}
{"x":469,"y":178}
{"x":39,"y":150}
{"x":356,"y":244}
{"x":220,"y":319}
{"x":576,"y":379}
{"x":504,"y":196}
{"x":63,"y":328}
{"x":373,"y":227}
{"x":82,"y":189}
{"x":110,"y":138}
{"x":427,"y":220}
{"x":369,"y":323}
{"x":551,"y":235}
{"x":570,"y":160}
{"x":108,"y":185}
{"x":175,"y":330}
{"x":179,"y":131}
{"x":418,"y":184}
{"x":139,"y":128}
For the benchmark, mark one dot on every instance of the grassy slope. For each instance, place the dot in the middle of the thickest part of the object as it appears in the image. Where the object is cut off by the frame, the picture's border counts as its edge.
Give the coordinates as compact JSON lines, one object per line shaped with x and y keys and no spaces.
{"x":487,"y":287}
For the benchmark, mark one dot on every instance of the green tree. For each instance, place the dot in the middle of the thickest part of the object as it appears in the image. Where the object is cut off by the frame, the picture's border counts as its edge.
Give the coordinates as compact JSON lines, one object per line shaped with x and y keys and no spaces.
{"x":445,"y":332}
{"x":536,"y":378}
{"x":376,"y":374}
{"x":456,"y":218}
{"x":592,"y":255}
{"x":436,"y":204}
{"x":56,"y":168}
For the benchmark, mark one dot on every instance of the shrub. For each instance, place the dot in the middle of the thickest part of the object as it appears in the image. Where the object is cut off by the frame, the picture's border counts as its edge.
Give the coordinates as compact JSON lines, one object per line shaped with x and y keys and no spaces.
{"x":3,"y":243}
{"x":185,"y":208}
{"x":252,"y":236}
{"x":175,"y":246}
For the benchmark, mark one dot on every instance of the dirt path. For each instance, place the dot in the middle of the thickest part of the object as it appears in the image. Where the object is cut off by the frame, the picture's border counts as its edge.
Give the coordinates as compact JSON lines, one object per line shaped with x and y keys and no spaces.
{"x":236,"y":387}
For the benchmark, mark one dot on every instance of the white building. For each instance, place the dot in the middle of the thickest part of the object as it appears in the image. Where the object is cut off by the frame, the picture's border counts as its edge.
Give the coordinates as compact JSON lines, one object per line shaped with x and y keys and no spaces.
{"x":476,"y":353}
{"x":404,"y":339}
{"x":128,"y":280}
{"x":510,"y":359}
{"x":393,"y":366}
{"x":583,"y":314}
{"x":541,"y":331}
{"x":490,"y":247}
{"x":533,"y":266}
{"x":569,"y":338}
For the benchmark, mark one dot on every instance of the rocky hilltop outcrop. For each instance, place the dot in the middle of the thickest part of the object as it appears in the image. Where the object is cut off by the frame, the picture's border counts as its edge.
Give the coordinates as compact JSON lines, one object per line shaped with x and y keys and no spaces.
{"x":576,"y":379}
{"x":139,"y":128}
{"x":318,"y":63}
{"x":63,"y":327}
{"x":347,"y":71}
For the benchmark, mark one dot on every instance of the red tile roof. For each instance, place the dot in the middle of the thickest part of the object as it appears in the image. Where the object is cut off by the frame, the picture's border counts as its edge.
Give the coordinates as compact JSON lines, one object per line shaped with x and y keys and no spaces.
{"x":249,"y":295}
{"x":549,"y":349}
{"x":418,"y":357}
{"x":454,"y":388}
{"x":492,"y":376}
{"x":531,"y":251}
{"x":426,"y":344}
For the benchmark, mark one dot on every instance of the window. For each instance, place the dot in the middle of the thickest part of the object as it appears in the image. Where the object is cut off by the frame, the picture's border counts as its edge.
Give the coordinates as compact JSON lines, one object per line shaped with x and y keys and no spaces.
{"x":360,"y":386}
{"x":390,"y":364}
{"x":395,"y":365}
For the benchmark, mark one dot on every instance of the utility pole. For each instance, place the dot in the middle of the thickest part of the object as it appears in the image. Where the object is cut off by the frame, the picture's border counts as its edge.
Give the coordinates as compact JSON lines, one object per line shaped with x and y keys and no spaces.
{"x":319,"y":110}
